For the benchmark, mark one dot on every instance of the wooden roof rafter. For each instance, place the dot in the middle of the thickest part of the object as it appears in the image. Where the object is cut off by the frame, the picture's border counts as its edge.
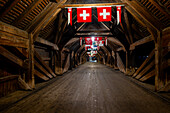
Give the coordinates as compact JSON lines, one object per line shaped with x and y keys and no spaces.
{"x":8,"y":6}
{"x":26,"y":12}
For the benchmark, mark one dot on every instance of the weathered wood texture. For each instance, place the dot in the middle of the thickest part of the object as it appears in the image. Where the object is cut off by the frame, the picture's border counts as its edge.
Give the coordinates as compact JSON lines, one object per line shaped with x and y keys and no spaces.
{"x":91,"y":88}
{"x":47,"y":43}
{"x":120,"y":64}
{"x":8,"y":84}
{"x":13,"y":36}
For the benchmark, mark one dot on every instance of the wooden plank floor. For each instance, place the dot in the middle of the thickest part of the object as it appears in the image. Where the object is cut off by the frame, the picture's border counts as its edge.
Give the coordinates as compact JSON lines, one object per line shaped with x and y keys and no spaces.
{"x":91,"y":88}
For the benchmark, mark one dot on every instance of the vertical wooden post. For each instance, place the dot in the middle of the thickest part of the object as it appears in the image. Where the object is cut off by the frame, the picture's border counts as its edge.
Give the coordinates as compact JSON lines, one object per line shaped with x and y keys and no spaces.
{"x":115,"y":62}
{"x":30,"y":78}
{"x":55,"y":60}
{"x":127,"y":62}
{"x":58,"y":68}
{"x":51,"y":58}
{"x":159,"y":82}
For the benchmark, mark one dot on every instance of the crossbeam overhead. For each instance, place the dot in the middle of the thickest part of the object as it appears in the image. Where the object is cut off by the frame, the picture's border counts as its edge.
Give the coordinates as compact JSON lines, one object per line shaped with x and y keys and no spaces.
{"x":92,"y":5}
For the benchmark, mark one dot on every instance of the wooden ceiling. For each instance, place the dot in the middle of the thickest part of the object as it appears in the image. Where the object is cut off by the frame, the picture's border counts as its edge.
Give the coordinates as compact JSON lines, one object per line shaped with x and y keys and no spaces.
{"x":28,"y":14}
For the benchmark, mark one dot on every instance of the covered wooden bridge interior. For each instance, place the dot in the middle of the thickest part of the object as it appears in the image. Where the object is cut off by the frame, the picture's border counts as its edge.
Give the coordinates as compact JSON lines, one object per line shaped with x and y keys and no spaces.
{"x":37,"y":44}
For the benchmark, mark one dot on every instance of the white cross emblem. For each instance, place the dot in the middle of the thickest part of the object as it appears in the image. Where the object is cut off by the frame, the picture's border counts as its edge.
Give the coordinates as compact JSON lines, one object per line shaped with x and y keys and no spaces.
{"x":104,"y":14}
{"x":84,"y":15}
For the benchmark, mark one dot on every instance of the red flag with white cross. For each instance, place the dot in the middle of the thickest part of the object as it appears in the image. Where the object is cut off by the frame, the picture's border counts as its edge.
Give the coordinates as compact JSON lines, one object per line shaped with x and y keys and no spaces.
{"x":84,"y":14}
{"x":98,"y":39}
{"x":88,"y":40}
{"x":70,"y":16}
{"x":104,"y":14}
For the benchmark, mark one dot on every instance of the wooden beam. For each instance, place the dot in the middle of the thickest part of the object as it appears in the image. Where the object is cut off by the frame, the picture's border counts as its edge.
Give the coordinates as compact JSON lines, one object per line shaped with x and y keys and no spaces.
{"x":93,"y":34}
{"x":42,"y":69}
{"x":65,"y":49}
{"x":30,"y":75}
{"x":80,"y":27}
{"x":140,"y":42}
{"x":138,"y":32}
{"x":67,"y":63}
{"x":92,"y":5}
{"x":26,"y":12}
{"x":40,"y":75}
{"x":49,"y":17}
{"x":39,"y":17}
{"x":96,"y":31}
{"x":23,"y":84}
{"x":12,"y":40}
{"x":89,"y":35}
{"x":22,"y":52}
{"x":125,"y":32}
{"x":144,"y":63}
{"x":145,"y":69}
{"x":43,"y":63}
{"x":147,"y":76}
{"x":4,"y":52}
{"x":46,"y":42}
{"x":62,"y":30}
{"x":120,"y":49}
{"x":8,"y":78}
{"x":160,"y":7}
{"x":13,"y":36}
{"x":8,"y":7}
{"x":144,"y":22}
{"x":159,"y":78}
{"x":13,"y":30}
{"x":116,"y":41}
{"x":120,"y":64}
{"x":129,"y":31}
{"x":144,"y":14}
{"x":81,"y":47}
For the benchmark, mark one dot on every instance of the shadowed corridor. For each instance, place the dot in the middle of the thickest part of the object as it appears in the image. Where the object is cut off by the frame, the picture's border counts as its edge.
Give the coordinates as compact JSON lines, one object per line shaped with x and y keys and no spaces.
{"x":91,"y":88}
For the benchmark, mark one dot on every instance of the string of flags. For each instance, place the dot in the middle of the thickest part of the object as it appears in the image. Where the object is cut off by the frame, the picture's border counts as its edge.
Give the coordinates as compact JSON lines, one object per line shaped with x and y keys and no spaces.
{"x":93,"y":44}
{"x":85,"y":14}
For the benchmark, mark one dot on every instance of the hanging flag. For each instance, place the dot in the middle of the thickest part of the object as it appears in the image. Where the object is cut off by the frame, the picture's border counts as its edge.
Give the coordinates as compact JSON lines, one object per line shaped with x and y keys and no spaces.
{"x":118,"y":14}
{"x":80,"y":41}
{"x":106,"y":41}
{"x":84,"y":14}
{"x":88,"y":40}
{"x":70,"y":16}
{"x":88,"y":47}
{"x":97,"y":38}
{"x":101,"y":43}
{"x":104,"y":13}
{"x":98,"y":47}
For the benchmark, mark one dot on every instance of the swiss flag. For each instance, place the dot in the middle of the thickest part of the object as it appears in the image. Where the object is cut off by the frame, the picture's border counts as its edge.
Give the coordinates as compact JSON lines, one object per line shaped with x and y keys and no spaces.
{"x":104,"y":13}
{"x":70,"y":16}
{"x":98,"y":38}
{"x":88,"y":47}
{"x":101,"y":43}
{"x":88,"y":40}
{"x":84,"y":14}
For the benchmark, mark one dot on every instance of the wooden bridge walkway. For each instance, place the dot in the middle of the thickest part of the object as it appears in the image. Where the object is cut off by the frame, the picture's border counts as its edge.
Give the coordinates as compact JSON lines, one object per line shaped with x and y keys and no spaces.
{"x":91,"y":88}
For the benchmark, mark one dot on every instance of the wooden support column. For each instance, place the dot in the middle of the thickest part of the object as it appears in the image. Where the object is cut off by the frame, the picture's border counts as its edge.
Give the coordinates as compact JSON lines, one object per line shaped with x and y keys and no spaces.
{"x":51,"y":59}
{"x":159,"y":79}
{"x":30,"y":77}
{"x":127,"y":62}
{"x":70,"y":61}
{"x":58,"y":68}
